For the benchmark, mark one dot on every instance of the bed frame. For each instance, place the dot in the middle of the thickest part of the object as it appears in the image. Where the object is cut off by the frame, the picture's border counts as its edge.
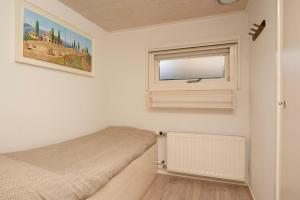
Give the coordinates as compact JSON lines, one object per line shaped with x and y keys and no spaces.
{"x":132,"y":183}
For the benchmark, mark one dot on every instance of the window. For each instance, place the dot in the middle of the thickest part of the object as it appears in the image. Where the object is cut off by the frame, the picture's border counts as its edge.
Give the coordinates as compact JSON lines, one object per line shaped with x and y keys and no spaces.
{"x":199,"y":68}
{"x":202,"y":72}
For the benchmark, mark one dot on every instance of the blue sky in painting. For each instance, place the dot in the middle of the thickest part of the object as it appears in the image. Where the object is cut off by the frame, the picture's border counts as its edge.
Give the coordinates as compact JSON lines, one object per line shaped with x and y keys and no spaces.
{"x":46,"y":24}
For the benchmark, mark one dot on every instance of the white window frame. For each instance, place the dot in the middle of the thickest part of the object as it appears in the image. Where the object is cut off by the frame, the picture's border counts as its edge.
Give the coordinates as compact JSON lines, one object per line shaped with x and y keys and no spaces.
{"x":207,"y":93}
{"x":155,"y":84}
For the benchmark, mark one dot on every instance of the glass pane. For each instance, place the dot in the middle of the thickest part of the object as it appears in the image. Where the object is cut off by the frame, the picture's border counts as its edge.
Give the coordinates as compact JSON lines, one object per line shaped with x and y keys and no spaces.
{"x":210,"y":67}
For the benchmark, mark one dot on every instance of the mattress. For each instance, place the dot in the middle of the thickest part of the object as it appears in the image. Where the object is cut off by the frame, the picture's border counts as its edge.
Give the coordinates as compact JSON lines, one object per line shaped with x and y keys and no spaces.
{"x":133,"y":182}
{"x":71,"y":170}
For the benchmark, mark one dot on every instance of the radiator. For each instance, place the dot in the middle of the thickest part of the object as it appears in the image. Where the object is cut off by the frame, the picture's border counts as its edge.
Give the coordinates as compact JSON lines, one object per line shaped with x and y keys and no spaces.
{"x":214,"y":156}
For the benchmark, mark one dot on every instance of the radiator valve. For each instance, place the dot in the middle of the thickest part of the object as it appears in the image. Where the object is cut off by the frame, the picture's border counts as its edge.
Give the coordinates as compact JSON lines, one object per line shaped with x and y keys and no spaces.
{"x":161,"y":133}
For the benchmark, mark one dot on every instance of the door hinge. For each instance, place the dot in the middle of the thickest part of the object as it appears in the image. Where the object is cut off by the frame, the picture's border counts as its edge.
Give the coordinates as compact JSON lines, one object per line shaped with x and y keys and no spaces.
{"x":282,"y":103}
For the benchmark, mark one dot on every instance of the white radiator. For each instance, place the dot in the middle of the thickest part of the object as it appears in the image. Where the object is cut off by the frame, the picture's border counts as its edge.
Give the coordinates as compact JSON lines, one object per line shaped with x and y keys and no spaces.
{"x":214,"y":156}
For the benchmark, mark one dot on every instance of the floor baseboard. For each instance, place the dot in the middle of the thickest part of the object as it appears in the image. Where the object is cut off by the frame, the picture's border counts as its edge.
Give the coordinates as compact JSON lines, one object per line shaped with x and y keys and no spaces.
{"x":164,"y":172}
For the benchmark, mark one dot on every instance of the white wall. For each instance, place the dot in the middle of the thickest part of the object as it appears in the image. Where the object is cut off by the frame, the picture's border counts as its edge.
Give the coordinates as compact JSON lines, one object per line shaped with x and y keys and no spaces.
{"x":39,"y":106}
{"x":127,"y":77}
{"x":291,"y":76}
{"x":263,"y":99}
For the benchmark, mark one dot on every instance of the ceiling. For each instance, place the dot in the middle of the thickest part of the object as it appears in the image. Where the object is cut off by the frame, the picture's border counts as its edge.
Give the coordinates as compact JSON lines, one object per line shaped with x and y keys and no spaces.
{"x":113,"y":15}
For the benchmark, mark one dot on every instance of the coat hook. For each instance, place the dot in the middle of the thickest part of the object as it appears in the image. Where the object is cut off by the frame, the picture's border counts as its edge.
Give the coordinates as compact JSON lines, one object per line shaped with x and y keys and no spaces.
{"x":256,"y":32}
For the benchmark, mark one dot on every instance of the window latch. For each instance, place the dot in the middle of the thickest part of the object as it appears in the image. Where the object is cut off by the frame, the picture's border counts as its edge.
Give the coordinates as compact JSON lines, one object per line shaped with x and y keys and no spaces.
{"x":194,"y":80}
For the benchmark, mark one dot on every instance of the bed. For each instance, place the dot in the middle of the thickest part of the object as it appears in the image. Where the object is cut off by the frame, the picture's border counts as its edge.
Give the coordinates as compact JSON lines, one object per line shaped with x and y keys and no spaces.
{"x":112,"y":164}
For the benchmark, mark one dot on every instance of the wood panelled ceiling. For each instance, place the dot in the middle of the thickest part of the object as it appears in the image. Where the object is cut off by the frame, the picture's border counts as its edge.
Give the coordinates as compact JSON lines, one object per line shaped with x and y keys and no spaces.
{"x":113,"y":15}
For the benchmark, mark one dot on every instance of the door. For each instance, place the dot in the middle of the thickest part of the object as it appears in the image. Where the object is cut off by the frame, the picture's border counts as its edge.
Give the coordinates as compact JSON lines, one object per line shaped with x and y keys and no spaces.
{"x":290,"y":152}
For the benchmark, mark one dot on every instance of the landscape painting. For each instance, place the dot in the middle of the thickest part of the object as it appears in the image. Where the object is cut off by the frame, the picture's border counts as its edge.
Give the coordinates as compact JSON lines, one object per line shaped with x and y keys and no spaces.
{"x":45,"y":39}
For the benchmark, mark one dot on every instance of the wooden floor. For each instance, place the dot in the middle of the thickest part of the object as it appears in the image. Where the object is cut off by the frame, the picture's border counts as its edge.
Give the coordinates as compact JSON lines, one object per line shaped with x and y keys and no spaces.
{"x":175,"y":188}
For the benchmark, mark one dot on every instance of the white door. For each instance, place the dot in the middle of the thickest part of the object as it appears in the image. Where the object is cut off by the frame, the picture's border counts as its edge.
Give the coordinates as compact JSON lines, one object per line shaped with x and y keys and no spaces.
{"x":290,"y":157}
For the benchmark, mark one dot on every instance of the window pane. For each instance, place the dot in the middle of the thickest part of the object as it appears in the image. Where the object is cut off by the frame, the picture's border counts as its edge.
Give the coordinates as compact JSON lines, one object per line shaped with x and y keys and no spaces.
{"x":210,"y":67}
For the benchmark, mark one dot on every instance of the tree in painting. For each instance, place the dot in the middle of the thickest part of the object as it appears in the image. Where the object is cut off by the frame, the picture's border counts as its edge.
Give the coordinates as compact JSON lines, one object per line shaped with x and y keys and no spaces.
{"x":37,"y":27}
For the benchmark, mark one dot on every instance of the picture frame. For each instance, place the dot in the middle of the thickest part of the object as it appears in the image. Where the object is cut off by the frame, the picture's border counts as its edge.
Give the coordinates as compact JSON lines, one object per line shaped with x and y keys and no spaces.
{"x":44,"y":40}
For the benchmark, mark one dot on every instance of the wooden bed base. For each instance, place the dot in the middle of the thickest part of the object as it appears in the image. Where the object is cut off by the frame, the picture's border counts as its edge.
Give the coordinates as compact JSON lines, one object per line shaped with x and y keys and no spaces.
{"x":132,"y":183}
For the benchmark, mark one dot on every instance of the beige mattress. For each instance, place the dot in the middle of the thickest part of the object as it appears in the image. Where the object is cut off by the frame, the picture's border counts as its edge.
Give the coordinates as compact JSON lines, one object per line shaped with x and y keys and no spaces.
{"x":71,"y":170}
{"x":133,"y":182}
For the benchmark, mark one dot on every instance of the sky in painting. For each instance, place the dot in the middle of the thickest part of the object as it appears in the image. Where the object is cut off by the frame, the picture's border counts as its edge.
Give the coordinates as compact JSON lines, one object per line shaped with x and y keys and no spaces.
{"x":46,"y":24}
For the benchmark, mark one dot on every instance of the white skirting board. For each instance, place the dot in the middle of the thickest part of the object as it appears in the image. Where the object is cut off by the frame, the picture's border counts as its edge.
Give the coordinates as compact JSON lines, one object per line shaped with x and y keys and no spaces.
{"x":215,"y":156}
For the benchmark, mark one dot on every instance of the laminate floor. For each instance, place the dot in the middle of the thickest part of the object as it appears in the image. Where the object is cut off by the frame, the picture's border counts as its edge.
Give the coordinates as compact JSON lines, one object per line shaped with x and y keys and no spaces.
{"x":176,"y":188}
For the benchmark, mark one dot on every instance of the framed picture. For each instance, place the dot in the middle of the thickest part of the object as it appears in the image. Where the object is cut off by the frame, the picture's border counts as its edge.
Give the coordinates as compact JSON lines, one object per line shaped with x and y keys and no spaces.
{"x":44,"y":40}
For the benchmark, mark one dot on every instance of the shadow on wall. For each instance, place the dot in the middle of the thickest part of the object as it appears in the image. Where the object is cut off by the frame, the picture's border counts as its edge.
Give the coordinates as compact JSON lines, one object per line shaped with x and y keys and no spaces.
{"x":194,"y":110}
